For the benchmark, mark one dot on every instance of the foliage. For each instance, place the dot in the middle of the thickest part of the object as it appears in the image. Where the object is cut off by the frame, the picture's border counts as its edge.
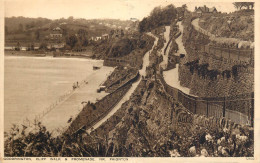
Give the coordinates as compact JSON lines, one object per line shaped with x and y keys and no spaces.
{"x":158,"y":17}
{"x":240,"y":5}
{"x":71,"y":41}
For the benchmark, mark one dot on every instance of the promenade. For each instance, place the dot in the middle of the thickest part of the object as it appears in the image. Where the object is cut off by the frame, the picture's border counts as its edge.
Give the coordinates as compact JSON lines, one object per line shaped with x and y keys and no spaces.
{"x":58,"y":117}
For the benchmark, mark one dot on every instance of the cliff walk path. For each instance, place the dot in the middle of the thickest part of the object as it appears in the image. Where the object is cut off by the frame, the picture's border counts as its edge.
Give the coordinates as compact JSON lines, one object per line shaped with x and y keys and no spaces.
{"x":127,"y":96}
{"x":58,"y":117}
{"x":166,"y":35}
{"x":171,"y":77}
{"x":212,"y":37}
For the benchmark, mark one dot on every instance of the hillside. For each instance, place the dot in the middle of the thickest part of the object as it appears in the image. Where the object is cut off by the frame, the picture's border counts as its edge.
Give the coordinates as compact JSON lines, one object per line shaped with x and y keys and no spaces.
{"x":35,"y":30}
{"x":239,"y":24}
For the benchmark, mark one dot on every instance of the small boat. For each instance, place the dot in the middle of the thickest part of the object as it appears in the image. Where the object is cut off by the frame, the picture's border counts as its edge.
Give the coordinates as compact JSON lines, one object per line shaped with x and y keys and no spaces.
{"x":40,"y":55}
{"x":96,"y":67}
{"x":101,"y":88}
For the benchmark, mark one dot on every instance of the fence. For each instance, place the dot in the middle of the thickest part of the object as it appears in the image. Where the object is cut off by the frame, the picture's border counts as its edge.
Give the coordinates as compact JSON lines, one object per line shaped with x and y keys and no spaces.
{"x":239,"y":109}
{"x":240,"y":55}
{"x":48,"y":109}
{"x":237,"y":54}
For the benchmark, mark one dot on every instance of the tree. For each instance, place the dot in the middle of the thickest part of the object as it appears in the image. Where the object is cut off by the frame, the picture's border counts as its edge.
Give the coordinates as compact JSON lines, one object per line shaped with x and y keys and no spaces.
{"x":70,"y":18}
{"x":6,"y":30}
{"x":32,"y":46}
{"x":37,"y":34}
{"x":158,"y":17}
{"x":239,"y":5}
{"x":184,"y":6}
{"x":43,"y":46}
{"x":82,"y":34}
{"x":20,"y":28}
{"x":71,"y":41}
{"x":18,"y":46}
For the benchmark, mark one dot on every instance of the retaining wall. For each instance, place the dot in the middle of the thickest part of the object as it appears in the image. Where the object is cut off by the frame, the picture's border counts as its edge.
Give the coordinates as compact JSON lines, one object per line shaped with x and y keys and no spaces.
{"x":92,"y":113}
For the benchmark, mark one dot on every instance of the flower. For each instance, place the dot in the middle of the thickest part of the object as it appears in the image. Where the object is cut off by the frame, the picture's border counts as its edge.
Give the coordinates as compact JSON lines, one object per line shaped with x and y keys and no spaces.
{"x":224,"y":152}
{"x":204,"y":152}
{"x":220,"y":148}
{"x":208,"y":137}
{"x":174,"y":153}
{"x":225,"y":130}
{"x":192,"y":150}
{"x":241,"y":139}
{"x":221,"y":140}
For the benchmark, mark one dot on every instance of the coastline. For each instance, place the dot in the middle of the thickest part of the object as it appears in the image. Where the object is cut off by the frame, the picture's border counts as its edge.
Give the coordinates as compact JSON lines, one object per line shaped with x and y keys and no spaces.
{"x":98,"y":76}
{"x":48,"y":54}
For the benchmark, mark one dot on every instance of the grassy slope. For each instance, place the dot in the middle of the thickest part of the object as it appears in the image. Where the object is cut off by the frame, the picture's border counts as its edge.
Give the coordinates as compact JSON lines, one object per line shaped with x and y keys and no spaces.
{"x":241,"y":26}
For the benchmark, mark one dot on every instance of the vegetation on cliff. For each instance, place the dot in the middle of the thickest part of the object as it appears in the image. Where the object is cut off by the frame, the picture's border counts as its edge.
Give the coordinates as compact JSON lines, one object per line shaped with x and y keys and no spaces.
{"x":239,"y":24}
{"x":158,"y":17}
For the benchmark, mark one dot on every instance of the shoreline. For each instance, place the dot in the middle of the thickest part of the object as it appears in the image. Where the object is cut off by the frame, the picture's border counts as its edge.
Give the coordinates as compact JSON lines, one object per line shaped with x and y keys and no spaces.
{"x":91,"y":76}
{"x":46,"y":54}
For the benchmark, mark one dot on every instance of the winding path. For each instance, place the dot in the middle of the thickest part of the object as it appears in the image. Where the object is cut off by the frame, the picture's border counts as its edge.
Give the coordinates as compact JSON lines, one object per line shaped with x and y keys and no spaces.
{"x":127,"y":96}
{"x":171,"y":77}
{"x":164,"y":63}
{"x":212,"y":37}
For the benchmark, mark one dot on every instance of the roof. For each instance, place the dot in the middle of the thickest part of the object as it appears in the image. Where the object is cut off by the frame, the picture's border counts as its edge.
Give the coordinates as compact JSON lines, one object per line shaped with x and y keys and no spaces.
{"x":57,"y":29}
{"x":212,"y":9}
{"x":205,"y":9}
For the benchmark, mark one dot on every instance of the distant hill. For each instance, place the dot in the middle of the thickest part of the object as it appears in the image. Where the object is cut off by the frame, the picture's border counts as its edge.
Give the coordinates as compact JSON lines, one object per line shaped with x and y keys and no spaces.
{"x":26,"y":30}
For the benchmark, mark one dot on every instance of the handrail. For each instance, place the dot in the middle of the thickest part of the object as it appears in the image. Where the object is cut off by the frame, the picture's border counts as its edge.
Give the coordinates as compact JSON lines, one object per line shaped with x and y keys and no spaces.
{"x":209,"y":101}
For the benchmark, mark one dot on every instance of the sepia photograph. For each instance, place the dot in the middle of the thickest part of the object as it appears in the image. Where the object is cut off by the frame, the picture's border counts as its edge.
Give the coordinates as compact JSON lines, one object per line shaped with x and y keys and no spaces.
{"x":128,"y":79}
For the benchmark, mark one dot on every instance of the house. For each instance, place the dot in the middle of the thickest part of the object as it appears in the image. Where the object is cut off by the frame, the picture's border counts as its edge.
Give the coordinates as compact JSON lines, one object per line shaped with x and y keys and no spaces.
{"x":97,"y":38}
{"x":105,"y":36}
{"x":56,"y":35}
{"x":133,"y":19}
{"x":23,"y":48}
{"x":56,"y":29}
{"x":204,"y":9}
{"x":9,"y":48}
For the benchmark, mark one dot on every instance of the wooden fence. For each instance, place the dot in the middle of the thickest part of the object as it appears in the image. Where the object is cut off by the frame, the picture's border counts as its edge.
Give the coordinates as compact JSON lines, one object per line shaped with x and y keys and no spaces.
{"x":239,"y":109}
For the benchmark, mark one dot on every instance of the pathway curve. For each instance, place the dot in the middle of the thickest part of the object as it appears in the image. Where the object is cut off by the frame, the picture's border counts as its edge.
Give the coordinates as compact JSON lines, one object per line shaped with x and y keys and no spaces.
{"x":171,"y":77}
{"x":181,"y":49}
{"x":164,"y":63}
{"x":212,"y":37}
{"x":127,"y":96}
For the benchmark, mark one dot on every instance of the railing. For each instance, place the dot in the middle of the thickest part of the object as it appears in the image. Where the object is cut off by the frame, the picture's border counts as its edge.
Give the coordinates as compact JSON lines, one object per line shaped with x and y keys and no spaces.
{"x":239,"y":109}
{"x":62,"y":98}
{"x":235,"y":54}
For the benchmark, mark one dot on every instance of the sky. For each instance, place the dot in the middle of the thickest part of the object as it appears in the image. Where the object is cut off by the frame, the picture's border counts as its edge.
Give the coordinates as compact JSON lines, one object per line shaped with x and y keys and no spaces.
{"x":89,"y":9}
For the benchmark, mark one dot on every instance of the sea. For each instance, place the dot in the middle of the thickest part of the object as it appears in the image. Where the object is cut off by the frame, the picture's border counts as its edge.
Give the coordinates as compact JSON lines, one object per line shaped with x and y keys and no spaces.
{"x":33,"y":83}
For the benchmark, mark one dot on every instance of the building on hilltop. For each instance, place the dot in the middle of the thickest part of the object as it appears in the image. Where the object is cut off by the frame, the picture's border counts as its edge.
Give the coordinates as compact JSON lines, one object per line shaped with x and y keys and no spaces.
{"x":204,"y":9}
{"x":133,"y":19}
{"x":105,"y":36}
{"x":56,"y":33}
